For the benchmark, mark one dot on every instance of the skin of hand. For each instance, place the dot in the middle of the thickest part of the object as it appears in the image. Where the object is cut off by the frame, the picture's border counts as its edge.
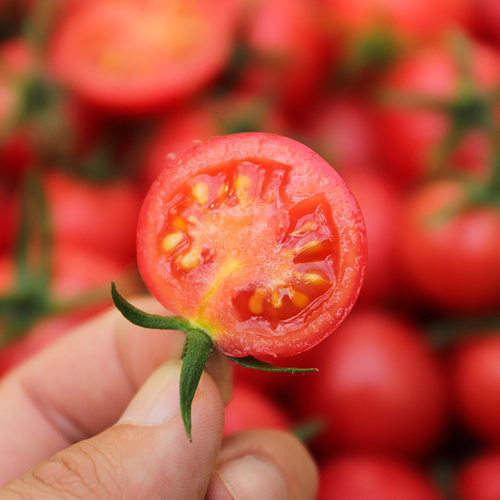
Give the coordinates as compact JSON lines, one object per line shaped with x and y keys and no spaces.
{"x":96,"y":415}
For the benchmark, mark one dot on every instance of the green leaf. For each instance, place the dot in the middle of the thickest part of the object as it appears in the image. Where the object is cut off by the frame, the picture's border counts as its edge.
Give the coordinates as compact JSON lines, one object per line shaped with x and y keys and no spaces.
{"x":198,"y":347}
{"x":257,"y":364}
{"x":144,"y":319}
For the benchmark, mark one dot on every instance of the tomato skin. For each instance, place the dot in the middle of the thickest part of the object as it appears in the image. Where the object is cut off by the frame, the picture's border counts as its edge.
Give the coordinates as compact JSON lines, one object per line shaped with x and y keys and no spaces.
{"x":364,"y":477}
{"x":309,"y":180}
{"x":479,"y":477}
{"x":137,"y":58}
{"x":371,"y":374}
{"x":475,"y":381}
{"x":453,"y":265}
{"x":251,"y":409}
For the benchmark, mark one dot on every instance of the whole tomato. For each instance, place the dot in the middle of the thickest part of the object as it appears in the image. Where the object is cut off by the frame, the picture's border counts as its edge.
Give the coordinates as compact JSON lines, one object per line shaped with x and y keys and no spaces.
{"x":361,"y":477}
{"x":380,"y":388}
{"x":479,"y":477}
{"x":250,"y":408}
{"x":424,"y":99}
{"x":99,"y":216}
{"x":449,"y":252}
{"x":475,"y":381}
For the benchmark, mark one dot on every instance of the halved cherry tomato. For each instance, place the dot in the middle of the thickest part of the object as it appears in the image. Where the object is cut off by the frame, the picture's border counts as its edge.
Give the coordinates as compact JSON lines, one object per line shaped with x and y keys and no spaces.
{"x":256,"y":240}
{"x":135,"y":56}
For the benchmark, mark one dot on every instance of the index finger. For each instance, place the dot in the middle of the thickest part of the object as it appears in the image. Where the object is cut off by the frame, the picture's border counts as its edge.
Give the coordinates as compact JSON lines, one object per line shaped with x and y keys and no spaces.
{"x":81,"y":385}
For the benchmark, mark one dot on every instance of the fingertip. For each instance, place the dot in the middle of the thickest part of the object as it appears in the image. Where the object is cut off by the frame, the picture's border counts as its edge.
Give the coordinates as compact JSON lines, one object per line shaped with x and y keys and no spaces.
{"x":264,"y":464}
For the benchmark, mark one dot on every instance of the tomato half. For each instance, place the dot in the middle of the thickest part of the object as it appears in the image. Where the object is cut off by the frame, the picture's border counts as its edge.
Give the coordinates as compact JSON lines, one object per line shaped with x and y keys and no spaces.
{"x":256,"y":240}
{"x":133,"y":56}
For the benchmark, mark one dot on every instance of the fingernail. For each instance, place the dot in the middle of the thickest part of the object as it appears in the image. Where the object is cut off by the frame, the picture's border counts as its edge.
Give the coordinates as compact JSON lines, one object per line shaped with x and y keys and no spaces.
{"x":249,"y":477}
{"x":158,"y":399}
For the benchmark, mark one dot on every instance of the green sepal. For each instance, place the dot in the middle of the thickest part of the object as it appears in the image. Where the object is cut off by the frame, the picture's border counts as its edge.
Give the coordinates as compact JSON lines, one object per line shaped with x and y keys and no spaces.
{"x":144,"y":319}
{"x":257,"y":364}
{"x":198,"y":347}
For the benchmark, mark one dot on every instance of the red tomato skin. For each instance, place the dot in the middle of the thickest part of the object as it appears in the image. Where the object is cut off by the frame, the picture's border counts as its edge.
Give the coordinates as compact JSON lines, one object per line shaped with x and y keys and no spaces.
{"x":251,"y":409}
{"x":475,"y":380}
{"x":365,"y":477}
{"x":371,"y":373}
{"x":407,"y":135}
{"x":479,"y":477}
{"x":104,"y":54}
{"x":100,"y":217}
{"x":485,"y":20}
{"x":308,"y":174}
{"x":453,"y":265}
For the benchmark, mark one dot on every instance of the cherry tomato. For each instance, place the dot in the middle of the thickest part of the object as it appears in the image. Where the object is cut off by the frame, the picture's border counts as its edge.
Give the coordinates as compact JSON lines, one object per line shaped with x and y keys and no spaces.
{"x":476,"y":384}
{"x":136,"y":57}
{"x":409,"y":134}
{"x":450,"y":259}
{"x":252,"y":409}
{"x":379,"y":388}
{"x":100,"y":217}
{"x":255,"y":239}
{"x":479,"y":477}
{"x":359,"y":477}
{"x":485,"y":21}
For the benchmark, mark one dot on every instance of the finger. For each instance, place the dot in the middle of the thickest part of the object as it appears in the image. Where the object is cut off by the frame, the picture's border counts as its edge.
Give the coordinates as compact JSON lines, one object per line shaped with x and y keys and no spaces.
{"x":262,"y":465}
{"x":146,"y":455}
{"x":81,"y":385}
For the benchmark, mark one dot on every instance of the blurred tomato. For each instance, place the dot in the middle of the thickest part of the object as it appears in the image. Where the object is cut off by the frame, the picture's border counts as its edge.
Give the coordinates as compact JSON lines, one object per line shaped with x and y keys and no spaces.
{"x":479,"y":477}
{"x":423,"y":97}
{"x":136,"y":57}
{"x":99,"y":216}
{"x":251,"y":409}
{"x":486,"y":19}
{"x":450,"y":254}
{"x":380,"y":388}
{"x":359,"y":477}
{"x":475,"y":380}
{"x":380,"y":203}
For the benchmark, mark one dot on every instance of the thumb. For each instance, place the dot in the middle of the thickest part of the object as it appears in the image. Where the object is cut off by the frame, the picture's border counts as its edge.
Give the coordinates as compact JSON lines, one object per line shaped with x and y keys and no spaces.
{"x":145,"y":455}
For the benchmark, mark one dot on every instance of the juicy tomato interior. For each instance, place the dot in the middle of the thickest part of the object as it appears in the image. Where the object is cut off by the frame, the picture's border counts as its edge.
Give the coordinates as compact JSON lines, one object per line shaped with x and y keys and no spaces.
{"x":224,"y":218}
{"x":244,"y":251}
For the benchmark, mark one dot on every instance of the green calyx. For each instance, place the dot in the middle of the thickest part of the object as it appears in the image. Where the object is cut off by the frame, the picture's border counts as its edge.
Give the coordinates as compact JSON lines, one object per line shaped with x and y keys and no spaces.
{"x":197,"y":349}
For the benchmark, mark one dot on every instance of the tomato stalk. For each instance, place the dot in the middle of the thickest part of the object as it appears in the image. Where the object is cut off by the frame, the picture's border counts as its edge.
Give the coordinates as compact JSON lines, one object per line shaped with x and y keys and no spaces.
{"x":197,"y":349}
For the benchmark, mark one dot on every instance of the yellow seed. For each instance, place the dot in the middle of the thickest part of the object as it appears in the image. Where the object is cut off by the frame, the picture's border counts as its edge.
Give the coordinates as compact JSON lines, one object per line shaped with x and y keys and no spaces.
{"x":308,"y":226}
{"x":299,"y":299}
{"x":201,"y":192}
{"x":192,"y":219}
{"x":179,"y":223}
{"x":313,"y":278}
{"x":172,"y":240}
{"x":311,"y":247}
{"x":190,"y":259}
{"x":276,"y":300}
{"x":256,"y":301}
{"x":243,"y":183}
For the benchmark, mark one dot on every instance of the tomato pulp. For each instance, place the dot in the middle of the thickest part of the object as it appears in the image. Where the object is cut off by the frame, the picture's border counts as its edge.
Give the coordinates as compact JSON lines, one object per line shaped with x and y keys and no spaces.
{"x":256,"y":240}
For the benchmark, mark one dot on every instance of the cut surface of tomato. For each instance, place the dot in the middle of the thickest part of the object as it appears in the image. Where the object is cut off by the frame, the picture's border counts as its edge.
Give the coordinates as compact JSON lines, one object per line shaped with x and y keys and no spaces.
{"x":256,"y":240}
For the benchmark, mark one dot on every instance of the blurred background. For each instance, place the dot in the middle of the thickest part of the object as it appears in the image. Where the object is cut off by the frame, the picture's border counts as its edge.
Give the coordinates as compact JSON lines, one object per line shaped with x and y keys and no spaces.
{"x":400,"y":97}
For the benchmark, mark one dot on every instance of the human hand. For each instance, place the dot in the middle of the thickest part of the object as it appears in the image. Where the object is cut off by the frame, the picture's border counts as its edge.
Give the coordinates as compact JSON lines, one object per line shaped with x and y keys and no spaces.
{"x":97,"y":415}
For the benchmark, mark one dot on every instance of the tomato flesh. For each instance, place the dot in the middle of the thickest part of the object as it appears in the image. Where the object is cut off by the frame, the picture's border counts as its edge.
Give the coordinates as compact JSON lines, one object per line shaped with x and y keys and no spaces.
{"x":234,"y":243}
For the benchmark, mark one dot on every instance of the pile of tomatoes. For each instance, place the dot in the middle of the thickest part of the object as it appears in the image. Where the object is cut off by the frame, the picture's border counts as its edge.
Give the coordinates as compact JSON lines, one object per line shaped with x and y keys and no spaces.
{"x":97,"y":97}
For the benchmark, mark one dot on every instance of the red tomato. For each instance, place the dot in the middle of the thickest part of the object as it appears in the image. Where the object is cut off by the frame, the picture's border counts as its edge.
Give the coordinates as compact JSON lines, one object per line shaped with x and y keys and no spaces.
{"x":252,"y":409}
{"x":475,"y":380}
{"x":452,"y":263}
{"x":408,"y":21}
{"x":486,"y":19}
{"x":255,"y":239}
{"x":138,"y":56}
{"x":380,"y":388}
{"x":100,"y":217}
{"x":479,"y":478}
{"x":379,"y":203}
{"x":408,"y":135}
{"x":374,"y":478}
